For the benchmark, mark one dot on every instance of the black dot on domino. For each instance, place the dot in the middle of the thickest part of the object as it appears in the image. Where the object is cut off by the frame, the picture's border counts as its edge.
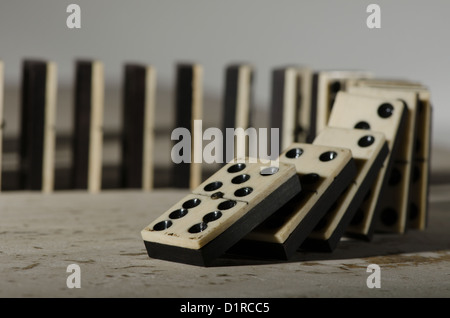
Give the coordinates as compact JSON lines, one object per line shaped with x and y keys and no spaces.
{"x":362,"y":125}
{"x":160,"y":226}
{"x":389,"y":216}
{"x":294,"y":153}
{"x":226,"y":205}
{"x":385,"y":110}
{"x":192,"y":203}
{"x":212,"y":216}
{"x":236,"y":168}
{"x":197,"y":228}
{"x":242,"y":192}
{"x":240,"y":179}
{"x":335,"y":86}
{"x":213,"y":186}
{"x":178,"y":214}
{"x":328,"y":156}
{"x":366,"y":141}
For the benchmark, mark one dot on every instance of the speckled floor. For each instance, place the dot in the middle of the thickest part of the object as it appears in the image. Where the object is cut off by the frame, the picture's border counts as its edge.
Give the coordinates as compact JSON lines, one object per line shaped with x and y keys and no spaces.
{"x":41,"y":235}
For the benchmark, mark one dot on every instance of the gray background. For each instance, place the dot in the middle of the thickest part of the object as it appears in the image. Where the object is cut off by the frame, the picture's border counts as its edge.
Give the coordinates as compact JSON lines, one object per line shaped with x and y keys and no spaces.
{"x":413,"y":42}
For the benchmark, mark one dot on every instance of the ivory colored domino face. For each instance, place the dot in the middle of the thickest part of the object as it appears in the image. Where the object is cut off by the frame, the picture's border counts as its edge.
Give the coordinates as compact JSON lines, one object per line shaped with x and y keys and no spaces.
{"x":411,"y":99}
{"x":326,"y":85}
{"x":369,"y":150}
{"x":404,"y":156}
{"x":324,"y":172}
{"x":204,"y":224}
{"x":374,"y":114}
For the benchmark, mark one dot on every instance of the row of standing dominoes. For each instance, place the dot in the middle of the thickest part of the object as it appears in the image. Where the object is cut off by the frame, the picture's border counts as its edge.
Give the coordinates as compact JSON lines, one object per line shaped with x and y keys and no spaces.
{"x":355,"y":175}
{"x":301,"y":106}
{"x":37,"y":126}
{"x":39,"y":107}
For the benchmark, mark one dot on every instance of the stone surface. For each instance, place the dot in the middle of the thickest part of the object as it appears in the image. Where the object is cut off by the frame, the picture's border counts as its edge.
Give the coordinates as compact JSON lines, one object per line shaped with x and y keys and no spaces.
{"x":41,"y":235}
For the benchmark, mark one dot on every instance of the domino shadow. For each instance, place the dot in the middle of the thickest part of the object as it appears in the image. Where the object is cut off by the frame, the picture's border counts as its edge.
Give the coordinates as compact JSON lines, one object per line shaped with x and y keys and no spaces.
{"x":435,"y":238}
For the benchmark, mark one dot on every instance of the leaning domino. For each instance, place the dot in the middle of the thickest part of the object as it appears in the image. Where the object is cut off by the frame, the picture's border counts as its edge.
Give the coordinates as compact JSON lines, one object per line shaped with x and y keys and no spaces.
{"x":418,"y":209}
{"x":375,"y":114}
{"x":394,"y":208}
{"x":369,"y":150}
{"x":219,"y":212}
{"x":325,"y":86}
{"x":324,"y":172}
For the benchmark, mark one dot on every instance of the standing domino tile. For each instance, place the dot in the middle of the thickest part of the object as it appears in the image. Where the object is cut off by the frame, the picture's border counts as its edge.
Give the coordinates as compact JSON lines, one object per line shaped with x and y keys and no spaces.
{"x":290,"y":106}
{"x":203,"y":225}
{"x":138,"y":123}
{"x":188,"y":107}
{"x":325,"y":86}
{"x":284,"y":105}
{"x":418,"y":211}
{"x":238,"y":103}
{"x":2,"y":124}
{"x":369,"y":150}
{"x":394,"y":207}
{"x":376,"y":114}
{"x":88,"y":126}
{"x":304,"y":103}
{"x":324,"y":172}
{"x":37,"y":138}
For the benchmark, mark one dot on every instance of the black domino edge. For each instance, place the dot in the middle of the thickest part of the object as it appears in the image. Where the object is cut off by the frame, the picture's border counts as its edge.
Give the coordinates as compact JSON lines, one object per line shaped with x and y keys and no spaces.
{"x":330,"y":244}
{"x":218,"y":246}
{"x":287,"y":249}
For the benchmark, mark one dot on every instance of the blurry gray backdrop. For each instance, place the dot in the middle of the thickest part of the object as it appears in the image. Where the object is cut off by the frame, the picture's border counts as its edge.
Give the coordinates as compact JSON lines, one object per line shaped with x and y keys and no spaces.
{"x":413,"y":41}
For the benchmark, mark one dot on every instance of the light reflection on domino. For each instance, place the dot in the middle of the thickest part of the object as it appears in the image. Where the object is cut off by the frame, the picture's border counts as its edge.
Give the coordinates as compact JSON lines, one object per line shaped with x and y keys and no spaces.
{"x":203,"y":225}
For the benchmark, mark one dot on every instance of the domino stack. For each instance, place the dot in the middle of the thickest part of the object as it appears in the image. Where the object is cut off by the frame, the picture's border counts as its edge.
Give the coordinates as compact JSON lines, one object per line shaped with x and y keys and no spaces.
{"x":359,"y":147}
{"x":354,"y":157}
